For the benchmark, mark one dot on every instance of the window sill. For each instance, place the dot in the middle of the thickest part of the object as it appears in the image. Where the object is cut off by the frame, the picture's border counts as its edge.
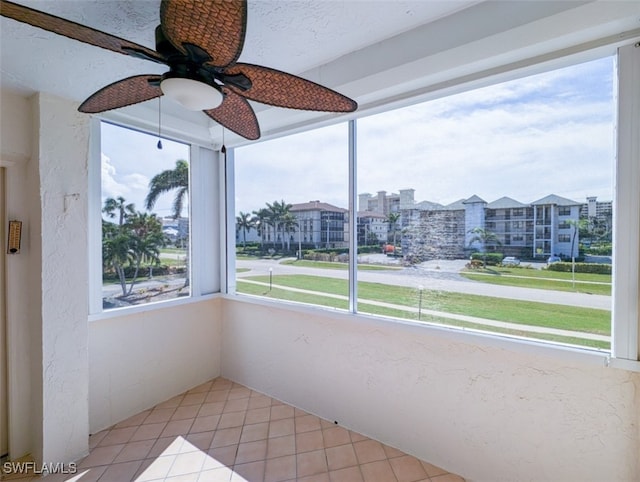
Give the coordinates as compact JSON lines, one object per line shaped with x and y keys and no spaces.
{"x":159,"y":305}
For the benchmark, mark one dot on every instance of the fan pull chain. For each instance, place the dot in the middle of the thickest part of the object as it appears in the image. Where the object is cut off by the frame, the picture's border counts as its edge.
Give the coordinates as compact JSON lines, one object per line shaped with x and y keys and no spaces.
{"x":159,"y":145}
{"x":223,"y":149}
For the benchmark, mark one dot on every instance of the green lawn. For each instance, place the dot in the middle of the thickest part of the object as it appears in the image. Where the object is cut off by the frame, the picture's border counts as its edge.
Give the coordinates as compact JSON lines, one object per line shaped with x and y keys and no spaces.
{"x":542,"y":279}
{"x":491,"y":308}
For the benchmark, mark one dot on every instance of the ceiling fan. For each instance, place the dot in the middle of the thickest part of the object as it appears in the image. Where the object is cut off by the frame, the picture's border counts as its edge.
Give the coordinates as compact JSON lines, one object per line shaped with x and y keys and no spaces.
{"x":200,"y":41}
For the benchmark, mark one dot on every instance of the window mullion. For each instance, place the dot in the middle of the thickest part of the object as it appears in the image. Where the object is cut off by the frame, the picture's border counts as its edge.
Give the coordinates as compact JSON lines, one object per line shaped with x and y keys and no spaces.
{"x":353,"y":216}
{"x":627,"y":199}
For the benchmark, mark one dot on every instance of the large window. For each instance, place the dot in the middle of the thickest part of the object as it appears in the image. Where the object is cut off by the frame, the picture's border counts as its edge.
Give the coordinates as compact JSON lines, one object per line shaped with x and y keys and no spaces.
{"x":154,"y":221}
{"x":438,"y":186}
{"x":145,"y":218}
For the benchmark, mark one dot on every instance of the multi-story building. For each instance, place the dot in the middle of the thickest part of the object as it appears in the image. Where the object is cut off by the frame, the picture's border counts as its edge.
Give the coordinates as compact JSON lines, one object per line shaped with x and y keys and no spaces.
{"x":372,"y":228}
{"x":319,"y":224}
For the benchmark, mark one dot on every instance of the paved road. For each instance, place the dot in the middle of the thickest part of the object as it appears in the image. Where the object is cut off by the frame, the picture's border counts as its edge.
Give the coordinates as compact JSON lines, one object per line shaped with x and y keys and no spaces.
{"x":437,"y":275}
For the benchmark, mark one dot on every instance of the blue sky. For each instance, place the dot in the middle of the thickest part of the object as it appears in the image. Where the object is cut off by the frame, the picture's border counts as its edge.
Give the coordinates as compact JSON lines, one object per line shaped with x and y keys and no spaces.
{"x":527,"y":138}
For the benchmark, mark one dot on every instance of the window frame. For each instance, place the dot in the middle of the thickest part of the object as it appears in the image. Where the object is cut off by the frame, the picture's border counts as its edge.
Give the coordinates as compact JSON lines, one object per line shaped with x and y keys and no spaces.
{"x":625,"y":314}
{"x":206,"y":212}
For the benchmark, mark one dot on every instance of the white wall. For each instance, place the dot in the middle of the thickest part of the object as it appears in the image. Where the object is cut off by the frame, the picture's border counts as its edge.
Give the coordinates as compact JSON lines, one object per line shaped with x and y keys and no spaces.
{"x":477,"y":408}
{"x":23,"y":290}
{"x":141,"y":359}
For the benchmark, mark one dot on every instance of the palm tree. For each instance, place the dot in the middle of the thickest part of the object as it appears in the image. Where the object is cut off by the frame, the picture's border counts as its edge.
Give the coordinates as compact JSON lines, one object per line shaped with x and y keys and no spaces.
{"x":245,"y":221}
{"x":392,"y":218}
{"x":170,"y":180}
{"x":146,"y":240}
{"x":120,"y":205}
{"x":261,"y":219}
{"x":485,"y":237}
{"x":277,"y":212}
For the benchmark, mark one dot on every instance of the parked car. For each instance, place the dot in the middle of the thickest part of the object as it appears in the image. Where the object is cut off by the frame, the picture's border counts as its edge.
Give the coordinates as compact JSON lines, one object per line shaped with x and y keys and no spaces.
{"x":553,"y":259}
{"x":510,"y":261}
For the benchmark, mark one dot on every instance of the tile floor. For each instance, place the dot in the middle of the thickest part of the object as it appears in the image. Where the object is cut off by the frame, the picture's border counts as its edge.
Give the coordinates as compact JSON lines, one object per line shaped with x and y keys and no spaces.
{"x":222,"y":431}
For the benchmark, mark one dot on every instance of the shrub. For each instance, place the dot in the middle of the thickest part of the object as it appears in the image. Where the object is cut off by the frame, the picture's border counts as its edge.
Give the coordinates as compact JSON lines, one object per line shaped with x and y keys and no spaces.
{"x":492,"y":259}
{"x":594,"y":268}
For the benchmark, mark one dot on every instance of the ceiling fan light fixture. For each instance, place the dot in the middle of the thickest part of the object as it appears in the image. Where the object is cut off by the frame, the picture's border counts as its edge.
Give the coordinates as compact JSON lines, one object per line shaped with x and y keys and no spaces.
{"x":191,"y":94}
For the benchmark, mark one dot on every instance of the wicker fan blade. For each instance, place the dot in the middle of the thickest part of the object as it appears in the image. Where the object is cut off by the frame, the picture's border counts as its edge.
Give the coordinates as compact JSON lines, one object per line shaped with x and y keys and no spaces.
{"x":217,"y":26}
{"x":129,"y":91}
{"x":273,"y":87}
{"x":76,"y":31}
{"x":236,"y":114}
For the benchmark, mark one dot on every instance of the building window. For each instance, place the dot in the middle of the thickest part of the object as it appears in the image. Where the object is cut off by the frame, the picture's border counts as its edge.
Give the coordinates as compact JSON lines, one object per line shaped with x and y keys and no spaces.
{"x":422,"y":217}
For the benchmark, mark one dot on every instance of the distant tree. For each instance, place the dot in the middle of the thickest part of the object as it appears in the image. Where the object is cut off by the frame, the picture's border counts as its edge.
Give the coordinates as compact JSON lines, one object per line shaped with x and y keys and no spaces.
{"x":261,"y":217}
{"x":393,"y":218}
{"x":119,"y":205}
{"x":244,"y":222}
{"x":486,"y":238}
{"x":277,"y":212}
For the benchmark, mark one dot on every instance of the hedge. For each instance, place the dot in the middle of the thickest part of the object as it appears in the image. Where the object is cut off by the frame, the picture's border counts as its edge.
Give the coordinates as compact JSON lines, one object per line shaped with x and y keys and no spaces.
{"x":595,"y":268}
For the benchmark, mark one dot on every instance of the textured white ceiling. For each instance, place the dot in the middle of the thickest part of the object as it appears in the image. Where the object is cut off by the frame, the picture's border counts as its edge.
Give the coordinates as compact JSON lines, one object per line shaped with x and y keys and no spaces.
{"x":376,"y":51}
{"x":288,"y":35}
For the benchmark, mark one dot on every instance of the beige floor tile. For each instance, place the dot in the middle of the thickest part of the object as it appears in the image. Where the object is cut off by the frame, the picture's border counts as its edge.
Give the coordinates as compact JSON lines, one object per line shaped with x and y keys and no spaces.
{"x":280,"y":428}
{"x":407,"y":469}
{"x":281,"y":411}
{"x":308,"y":441}
{"x":222,"y":431}
{"x":253,"y":432}
{"x":148,"y":431}
{"x":101,"y":456}
{"x":118,"y":436}
{"x":121,"y":472}
{"x":193,"y":399}
{"x":233,"y":419}
{"x":350,"y":474}
{"x":280,"y":468}
{"x":186,"y":412}
{"x":379,"y":471}
{"x":176,"y":427}
{"x":251,"y":452}
{"x":227,"y":436}
{"x":205,"y":424}
{"x":311,"y":463}
{"x":187,"y":463}
{"x":220,"y":456}
{"x":258,"y":415}
{"x":281,"y":446}
{"x":160,"y":415}
{"x":335,"y":436}
{"x":307,"y":423}
{"x":369,"y":451}
{"x":249,"y":472}
{"x":136,"y":420}
{"x":236,"y":405}
{"x":135,"y":451}
{"x":432,"y":470}
{"x":239,"y":392}
{"x":341,"y":456}
{"x":260,"y":401}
